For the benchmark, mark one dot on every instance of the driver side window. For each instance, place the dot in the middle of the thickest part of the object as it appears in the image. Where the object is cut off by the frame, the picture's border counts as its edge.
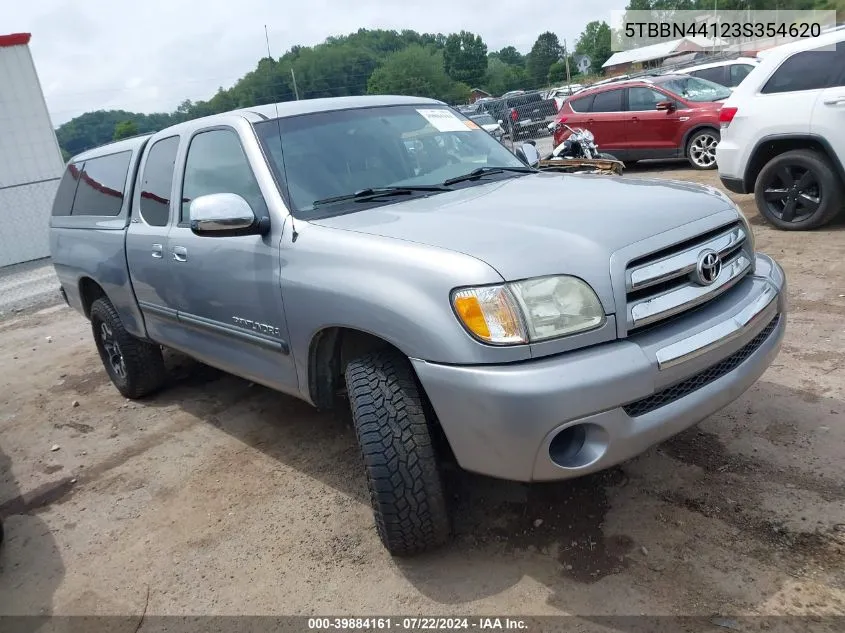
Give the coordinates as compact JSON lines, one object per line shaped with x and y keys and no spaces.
{"x":217,"y":163}
{"x":641,"y":99}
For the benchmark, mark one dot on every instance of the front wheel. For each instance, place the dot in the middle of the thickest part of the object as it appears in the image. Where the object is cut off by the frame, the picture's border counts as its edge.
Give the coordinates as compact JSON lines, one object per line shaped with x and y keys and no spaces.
{"x":135,"y":367}
{"x":799,"y":190}
{"x":701,"y":149}
{"x":403,"y":472}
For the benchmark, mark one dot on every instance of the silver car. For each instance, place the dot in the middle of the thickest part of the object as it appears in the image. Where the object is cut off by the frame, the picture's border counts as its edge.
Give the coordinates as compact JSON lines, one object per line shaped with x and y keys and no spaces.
{"x":534,"y":326}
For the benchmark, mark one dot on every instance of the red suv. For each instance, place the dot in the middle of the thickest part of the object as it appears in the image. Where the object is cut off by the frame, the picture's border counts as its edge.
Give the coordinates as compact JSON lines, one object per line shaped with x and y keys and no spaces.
{"x":664,"y":116}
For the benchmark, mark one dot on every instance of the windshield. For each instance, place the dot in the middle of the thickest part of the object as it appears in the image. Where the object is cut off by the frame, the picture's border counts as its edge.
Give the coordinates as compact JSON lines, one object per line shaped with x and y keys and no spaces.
{"x":335,"y":154}
{"x":483,"y":119}
{"x":696,"y":89}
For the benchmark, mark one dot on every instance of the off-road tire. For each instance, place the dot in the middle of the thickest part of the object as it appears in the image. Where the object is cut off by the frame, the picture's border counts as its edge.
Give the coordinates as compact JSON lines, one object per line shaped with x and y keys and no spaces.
{"x":400,"y":460}
{"x":832,"y":192}
{"x":144,"y":365}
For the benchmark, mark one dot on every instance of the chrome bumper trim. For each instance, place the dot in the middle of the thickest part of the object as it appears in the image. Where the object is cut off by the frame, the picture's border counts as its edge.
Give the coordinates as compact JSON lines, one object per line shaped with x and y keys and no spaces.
{"x":763,"y":308}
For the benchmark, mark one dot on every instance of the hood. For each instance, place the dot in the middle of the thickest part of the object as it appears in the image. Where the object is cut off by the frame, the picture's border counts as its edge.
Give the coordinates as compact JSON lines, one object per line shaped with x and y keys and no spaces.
{"x":543,"y":223}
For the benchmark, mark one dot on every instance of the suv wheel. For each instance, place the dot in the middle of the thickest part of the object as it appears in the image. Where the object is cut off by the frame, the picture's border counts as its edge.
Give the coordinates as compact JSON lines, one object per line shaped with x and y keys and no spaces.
{"x":701,"y":149}
{"x":403,"y":473}
{"x":798,"y":190}
{"x":135,"y":367}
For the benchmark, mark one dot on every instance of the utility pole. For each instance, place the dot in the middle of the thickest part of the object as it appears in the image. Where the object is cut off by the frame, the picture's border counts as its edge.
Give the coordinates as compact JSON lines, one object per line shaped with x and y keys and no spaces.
{"x":295,"y":91}
{"x":566,"y":61}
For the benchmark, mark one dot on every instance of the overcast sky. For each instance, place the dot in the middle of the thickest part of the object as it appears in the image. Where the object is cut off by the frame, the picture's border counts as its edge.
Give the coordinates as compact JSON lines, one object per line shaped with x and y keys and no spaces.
{"x":149,"y":56}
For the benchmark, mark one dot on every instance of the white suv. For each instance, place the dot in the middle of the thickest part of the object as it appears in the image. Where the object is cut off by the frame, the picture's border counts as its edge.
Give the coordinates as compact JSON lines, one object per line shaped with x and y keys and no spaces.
{"x":783,"y":133}
{"x":729,"y":73}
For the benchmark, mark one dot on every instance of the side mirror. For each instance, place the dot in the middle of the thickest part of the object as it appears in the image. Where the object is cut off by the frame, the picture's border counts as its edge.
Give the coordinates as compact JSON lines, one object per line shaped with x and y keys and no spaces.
{"x":500,"y":122}
{"x":528,"y":154}
{"x":222,"y":214}
{"x":667,"y":106}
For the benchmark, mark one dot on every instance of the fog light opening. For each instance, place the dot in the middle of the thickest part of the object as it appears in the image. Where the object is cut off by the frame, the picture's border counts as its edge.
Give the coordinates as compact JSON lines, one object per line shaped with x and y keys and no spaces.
{"x":578,"y":445}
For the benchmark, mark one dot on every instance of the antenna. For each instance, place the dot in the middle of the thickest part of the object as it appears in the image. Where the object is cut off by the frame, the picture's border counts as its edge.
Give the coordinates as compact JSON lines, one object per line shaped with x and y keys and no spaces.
{"x":294,"y":234}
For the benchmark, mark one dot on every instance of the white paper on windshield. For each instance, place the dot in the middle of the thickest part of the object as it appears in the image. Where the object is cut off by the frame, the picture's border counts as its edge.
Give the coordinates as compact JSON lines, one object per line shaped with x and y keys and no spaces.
{"x":443,"y":120}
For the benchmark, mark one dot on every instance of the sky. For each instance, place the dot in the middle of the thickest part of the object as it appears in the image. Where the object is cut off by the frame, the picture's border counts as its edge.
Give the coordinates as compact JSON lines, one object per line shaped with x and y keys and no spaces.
{"x":149,"y":56}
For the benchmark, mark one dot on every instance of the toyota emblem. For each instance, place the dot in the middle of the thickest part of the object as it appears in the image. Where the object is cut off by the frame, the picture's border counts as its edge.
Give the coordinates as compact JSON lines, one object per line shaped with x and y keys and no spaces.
{"x":708,"y":268}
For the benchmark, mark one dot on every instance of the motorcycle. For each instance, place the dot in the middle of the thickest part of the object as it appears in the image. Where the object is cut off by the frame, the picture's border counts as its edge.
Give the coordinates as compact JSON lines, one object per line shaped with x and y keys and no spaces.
{"x":580,"y":144}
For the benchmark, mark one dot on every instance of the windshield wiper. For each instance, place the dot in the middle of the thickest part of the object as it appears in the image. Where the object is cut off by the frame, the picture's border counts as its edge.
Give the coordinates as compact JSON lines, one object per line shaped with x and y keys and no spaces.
{"x":379,"y":192}
{"x":486,"y":171}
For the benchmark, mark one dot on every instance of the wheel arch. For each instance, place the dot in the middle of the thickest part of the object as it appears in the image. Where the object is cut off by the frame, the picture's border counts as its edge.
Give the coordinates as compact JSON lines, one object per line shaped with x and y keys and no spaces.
{"x":771,"y":146}
{"x":89,"y":292}
{"x":694,"y":130}
{"x":329,"y":351}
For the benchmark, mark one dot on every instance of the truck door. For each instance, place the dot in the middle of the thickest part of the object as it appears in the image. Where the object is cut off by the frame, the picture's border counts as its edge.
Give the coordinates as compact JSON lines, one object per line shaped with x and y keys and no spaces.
{"x":146,"y":238}
{"x":226,"y":289}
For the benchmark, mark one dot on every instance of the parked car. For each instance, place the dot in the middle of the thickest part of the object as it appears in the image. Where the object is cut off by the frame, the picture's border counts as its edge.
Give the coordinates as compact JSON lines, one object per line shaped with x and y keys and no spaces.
{"x":524,"y":114}
{"x":728,"y":73}
{"x":664,"y":116}
{"x":489,"y":125}
{"x":533,"y":326}
{"x":783,"y":133}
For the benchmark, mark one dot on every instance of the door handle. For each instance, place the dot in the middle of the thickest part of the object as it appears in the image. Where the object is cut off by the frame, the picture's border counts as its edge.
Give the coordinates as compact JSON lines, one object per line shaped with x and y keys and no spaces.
{"x":180,"y":253}
{"x":635,"y":118}
{"x":157,"y":250}
{"x":835,"y":100}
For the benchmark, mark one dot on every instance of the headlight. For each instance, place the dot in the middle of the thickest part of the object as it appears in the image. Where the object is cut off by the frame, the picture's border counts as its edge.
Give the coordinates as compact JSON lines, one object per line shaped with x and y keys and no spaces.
{"x":531,"y":310}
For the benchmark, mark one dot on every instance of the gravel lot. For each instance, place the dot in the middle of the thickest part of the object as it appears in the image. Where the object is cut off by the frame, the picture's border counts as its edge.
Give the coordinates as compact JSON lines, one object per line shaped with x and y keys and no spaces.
{"x":221,"y":497}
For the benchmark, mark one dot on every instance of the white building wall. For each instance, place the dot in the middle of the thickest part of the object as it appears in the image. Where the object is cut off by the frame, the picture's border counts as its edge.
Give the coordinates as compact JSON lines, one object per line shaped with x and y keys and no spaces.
{"x":30,"y":160}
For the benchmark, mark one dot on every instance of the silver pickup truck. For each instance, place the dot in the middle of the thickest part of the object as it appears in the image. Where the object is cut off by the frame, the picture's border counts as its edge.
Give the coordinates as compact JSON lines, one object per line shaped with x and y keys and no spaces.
{"x":531,"y":326}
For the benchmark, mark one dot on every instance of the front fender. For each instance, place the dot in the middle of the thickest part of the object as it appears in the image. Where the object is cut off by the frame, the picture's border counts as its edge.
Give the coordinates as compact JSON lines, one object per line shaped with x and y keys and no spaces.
{"x":396,"y":290}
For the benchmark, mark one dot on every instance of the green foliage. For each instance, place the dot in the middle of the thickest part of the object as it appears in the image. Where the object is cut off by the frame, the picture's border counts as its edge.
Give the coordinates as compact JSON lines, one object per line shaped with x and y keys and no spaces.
{"x":125,"y":129}
{"x":416,"y":71}
{"x":502,"y":77}
{"x":465,"y":57}
{"x":511,"y":56}
{"x":594,"y":42}
{"x":545,"y":52}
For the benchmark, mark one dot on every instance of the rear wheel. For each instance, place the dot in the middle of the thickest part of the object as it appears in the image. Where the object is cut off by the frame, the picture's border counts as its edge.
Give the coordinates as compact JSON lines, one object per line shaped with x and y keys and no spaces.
{"x":403,"y":472}
{"x":701,"y":149}
{"x":799,"y":190}
{"x":135,"y":367}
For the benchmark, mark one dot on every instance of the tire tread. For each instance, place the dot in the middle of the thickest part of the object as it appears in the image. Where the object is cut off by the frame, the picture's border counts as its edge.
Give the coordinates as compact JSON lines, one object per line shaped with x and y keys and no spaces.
{"x":144,"y":362}
{"x":403,"y":476}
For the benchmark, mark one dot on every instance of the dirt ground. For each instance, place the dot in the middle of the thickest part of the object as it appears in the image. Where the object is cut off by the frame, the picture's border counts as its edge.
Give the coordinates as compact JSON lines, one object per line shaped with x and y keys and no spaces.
{"x":220,"y":497}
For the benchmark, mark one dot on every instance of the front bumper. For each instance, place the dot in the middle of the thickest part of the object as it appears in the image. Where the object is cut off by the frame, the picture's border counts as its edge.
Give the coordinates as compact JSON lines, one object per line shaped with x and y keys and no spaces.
{"x":568,"y":415}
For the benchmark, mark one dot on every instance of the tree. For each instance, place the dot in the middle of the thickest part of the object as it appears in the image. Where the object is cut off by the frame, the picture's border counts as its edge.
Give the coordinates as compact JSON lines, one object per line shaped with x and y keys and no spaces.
{"x":124,"y":129}
{"x":594,"y":42}
{"x":465,"y":57}
{"x":419,"y":72}
{"x":510,"y":55}
{"x":502,"y":77}
{"x":545,"y":52}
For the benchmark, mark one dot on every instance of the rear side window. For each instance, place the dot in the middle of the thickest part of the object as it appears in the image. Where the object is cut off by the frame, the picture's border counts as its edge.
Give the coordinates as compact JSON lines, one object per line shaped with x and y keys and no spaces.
{"x":157,"y":181}
{"x":582,"y":104}
{"x":608,"y":101}
{"x":216,"y":163}
{"x":716,"y":74}
{"x":809,"y":70}
{"x":66,"y":192}
{"x":101,"y":183}
{"x":738,"y":72}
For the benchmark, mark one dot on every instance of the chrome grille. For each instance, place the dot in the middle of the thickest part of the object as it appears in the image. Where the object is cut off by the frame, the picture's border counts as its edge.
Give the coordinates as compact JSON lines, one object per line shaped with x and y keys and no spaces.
{"x":663,"y":284}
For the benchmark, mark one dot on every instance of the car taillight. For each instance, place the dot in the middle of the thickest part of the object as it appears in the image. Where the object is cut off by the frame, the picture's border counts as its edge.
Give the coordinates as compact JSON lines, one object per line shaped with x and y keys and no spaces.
{"x":726,"y":115}
{"x":514,"y":114}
